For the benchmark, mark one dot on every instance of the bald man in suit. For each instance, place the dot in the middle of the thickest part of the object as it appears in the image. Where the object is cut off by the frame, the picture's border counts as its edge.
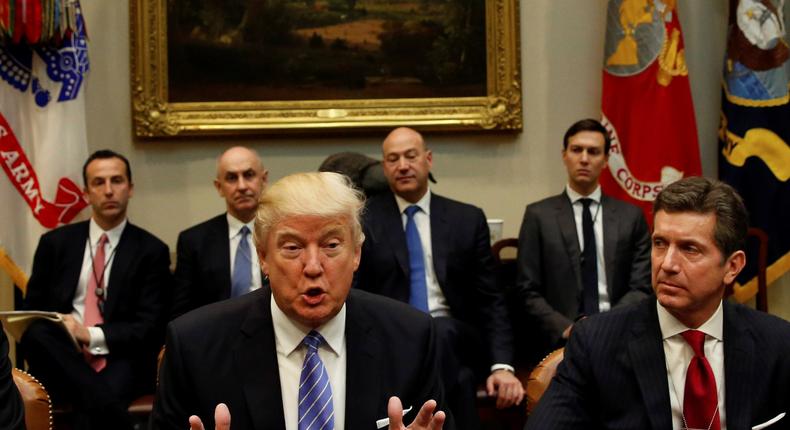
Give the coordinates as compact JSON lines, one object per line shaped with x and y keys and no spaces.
{"x":454,"y":280}
{"x":207,"y":253}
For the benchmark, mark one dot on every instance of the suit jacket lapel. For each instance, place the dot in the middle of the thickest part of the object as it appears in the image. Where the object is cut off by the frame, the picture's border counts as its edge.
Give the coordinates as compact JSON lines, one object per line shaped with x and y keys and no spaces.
{"x":567,"y":227}
{"x":610,"y":234}
{"x":220,"y":235}
{"x":362,"y":376}
{"x":392,"y":226}
{"x":645,"y":348}
{"x":440,"y":238}
{"x":75,"y":252}
{"x":127,"y":246}
{"x":739,"y":352}
{"x":255,"y":361}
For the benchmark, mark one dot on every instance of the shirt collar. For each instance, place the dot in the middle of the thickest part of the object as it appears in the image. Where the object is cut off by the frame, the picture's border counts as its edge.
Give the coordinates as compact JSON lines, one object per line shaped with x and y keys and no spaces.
{"x":113,"y":234}
{"x":235,"y":225}
{"x":290,"y":333}
{"x":424,"y":203}
{"x":671,"y":326}
{"x":574,"y":196}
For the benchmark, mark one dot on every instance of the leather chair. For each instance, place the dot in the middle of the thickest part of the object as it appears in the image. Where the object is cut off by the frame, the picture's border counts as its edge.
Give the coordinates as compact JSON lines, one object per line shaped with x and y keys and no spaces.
{"x":540,"y":377}
{"x":38,"y":407}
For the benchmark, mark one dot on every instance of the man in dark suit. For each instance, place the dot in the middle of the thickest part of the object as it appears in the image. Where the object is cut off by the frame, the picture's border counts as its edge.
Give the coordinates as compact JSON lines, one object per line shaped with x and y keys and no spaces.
{"x":12,"y":413}
{"x":453,"y":281}
{"x":110,"y":281}
{"x":306,"y":352}
{"x":686,"y":359}
{"x":556,"y":270}
{"x":215,"y":259}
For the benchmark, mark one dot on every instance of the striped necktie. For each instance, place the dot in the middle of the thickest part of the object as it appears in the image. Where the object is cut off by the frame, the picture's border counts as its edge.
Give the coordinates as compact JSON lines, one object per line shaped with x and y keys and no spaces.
{"x":242,"y":266}
{"x":315,"y":393}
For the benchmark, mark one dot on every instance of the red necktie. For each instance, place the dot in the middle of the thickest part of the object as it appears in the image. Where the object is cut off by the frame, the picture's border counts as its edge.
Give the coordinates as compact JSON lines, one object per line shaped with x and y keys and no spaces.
{"x":92,"y":315}
{"x":700,"y":401}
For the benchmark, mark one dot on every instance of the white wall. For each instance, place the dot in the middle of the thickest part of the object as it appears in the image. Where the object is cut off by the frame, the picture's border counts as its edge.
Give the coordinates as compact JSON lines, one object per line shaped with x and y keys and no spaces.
{"x":562,"y":50}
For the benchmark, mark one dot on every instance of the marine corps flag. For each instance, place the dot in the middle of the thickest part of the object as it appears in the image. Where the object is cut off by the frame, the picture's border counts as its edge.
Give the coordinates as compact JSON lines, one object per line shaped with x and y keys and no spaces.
{"x":754,"y":135}
{"x":42,"y":124}
{"x":646,"y":105}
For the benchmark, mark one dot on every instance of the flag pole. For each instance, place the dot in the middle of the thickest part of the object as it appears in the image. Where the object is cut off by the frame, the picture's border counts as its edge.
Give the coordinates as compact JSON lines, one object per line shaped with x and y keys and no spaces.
{"x":13,"y":271}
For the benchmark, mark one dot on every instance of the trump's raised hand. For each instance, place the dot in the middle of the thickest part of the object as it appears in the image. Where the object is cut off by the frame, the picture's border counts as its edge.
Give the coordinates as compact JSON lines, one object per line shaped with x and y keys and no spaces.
{"x":426,"y":418}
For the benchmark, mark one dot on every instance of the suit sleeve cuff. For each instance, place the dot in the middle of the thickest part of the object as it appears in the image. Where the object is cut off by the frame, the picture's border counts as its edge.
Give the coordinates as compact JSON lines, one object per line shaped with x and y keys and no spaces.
{"x":502,"y":366}
{"x":98,"y":344}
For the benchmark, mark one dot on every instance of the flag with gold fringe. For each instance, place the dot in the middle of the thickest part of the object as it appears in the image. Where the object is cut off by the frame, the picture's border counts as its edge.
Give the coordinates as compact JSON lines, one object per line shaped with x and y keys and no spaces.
{"x":43,"y":64}
{"x":646,"y":103}
{"x":754,"y":133}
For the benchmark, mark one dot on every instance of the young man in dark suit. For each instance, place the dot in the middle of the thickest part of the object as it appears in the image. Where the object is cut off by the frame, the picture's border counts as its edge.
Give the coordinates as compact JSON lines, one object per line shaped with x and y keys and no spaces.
{"x":686,"y":359}
{"x":561,"y":278}
{"x":307,"y":352}
{"x":435,"y":253}
{"x":110,"y":280}
{"x":215,"y":259}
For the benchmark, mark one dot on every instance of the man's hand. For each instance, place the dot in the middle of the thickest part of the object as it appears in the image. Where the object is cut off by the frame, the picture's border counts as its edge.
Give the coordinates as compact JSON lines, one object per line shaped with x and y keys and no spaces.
{"x":77,"y":330}
{"x":426,"y":419}
{"x":507,"y":388}
{"x":221,"y":419}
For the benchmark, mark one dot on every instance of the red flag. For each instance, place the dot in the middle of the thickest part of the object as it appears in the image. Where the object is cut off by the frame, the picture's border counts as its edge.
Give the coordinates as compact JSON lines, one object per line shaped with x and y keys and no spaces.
{"x":647,"y":104}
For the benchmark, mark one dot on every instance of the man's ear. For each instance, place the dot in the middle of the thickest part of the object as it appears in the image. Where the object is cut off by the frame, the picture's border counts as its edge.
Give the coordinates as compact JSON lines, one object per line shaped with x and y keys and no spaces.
{"x":734,"y":264}
{"x":262,"y":262}
{"x":265,"y":178}
{"x":218,"y":186}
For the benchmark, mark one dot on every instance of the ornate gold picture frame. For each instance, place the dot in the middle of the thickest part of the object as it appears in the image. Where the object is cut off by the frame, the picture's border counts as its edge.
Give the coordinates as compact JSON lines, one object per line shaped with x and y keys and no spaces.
{"x":156,"y":113}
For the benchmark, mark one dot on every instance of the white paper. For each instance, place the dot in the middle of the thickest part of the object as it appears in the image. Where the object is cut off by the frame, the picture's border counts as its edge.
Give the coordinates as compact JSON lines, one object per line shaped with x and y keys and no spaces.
{"x":384,"y":422}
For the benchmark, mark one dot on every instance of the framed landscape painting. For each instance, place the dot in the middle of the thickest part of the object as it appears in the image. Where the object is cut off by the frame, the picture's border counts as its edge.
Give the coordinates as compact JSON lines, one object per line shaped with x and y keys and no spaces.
{"x":265,"y":66}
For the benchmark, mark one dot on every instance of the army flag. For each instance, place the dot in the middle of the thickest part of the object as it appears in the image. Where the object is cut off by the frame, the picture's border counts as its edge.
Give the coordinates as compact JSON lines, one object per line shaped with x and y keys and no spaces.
{"x":42,"y":136}
{"x":754,"y":133}
{"x":646,"y":104}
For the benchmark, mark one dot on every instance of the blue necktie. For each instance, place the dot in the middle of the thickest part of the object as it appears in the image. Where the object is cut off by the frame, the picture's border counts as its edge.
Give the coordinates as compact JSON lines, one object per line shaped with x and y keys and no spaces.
{"x":242,"y":266}
{"x":315,"y":393}
{"x":589,"y":262}
{"x":418,"y":293}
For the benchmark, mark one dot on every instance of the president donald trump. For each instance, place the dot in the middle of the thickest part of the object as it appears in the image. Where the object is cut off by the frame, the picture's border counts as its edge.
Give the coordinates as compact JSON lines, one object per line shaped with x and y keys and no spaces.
{"x":307,"y":353}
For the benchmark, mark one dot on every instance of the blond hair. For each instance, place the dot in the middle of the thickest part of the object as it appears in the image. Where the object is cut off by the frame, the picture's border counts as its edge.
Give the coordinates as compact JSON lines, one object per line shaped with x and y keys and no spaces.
{"x":321,"y":194}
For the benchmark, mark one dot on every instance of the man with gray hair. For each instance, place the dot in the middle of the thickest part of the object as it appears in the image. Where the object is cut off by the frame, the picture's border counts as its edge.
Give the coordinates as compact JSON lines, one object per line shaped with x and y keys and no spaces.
{"x":215,"y":259}
{"x":305,"y":352}
{"x":686,"y":359}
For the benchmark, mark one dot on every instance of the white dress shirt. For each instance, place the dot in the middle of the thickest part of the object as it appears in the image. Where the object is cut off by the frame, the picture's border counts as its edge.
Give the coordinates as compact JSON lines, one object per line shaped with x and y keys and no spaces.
{"x":595,"y":211}
{"x":98,"y":344}
{"x":288,"y":337}
{"x":234,"y":234}
{"x":437,"y":303}
{"x":678,"y":354}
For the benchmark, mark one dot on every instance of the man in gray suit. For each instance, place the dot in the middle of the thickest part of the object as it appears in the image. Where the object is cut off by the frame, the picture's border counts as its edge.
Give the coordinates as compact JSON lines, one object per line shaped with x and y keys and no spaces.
{"x":580,"y":252}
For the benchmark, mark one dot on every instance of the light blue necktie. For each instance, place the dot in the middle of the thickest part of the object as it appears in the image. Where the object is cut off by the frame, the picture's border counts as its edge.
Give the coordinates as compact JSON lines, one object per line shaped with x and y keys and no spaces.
{"x":242,"y":266}
{"x":315,"y":393}
{"x":418,"y":293}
